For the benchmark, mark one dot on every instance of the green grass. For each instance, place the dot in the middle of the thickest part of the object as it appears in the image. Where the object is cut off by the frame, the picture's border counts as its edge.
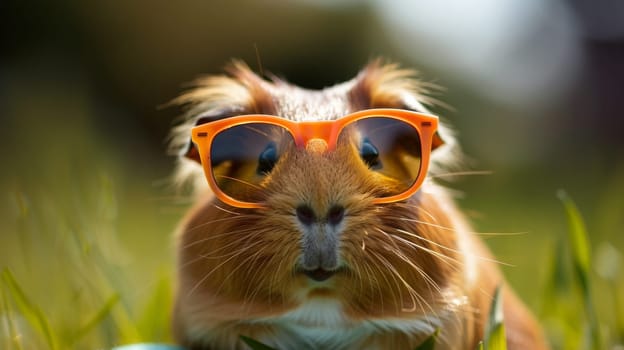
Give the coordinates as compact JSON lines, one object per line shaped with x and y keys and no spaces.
{"x":70,"y":289}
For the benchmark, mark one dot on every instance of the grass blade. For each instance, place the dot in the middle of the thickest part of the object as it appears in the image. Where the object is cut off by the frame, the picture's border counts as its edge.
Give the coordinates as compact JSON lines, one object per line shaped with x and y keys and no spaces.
{"x":495,"y":338}
{"x":153,"y":322}
{"x":581,"y":256}
{"x":11,"y":331}
{"x":96,"y":319}
{"x":254,"y":344}
{"x":609,"y":265}
{"x":577,"y":234}
{"x":29,"y":310}
{"x":429,"y":343}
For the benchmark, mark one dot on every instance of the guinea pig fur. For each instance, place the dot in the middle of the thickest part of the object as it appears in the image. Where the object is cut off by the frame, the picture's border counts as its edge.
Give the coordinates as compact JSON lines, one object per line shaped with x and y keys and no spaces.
{"x":388,"y":275}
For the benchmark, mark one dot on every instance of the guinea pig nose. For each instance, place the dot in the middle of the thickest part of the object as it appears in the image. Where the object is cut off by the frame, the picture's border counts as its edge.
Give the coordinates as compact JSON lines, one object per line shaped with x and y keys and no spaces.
{"x":335,"y":215}
{"x":305,"y":214}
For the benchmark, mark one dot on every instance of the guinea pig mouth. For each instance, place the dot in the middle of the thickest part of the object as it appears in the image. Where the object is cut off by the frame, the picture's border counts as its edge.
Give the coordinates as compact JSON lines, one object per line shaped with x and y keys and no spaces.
{"x":319,"y":274}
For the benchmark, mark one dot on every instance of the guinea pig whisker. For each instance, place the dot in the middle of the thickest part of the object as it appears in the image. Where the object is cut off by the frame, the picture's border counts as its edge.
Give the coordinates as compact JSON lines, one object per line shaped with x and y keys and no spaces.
{"x":444,"y":258}
{"x":247,"y":183}
{"x":414,"y":296}
{"x":501,"y":234}
{"x":360,"y":276}
{"x":419,"y":208}
{"x":206,"y":239}
{"x":273,"y":279}
{"x":229,"y":255}
{"x":249,"y":298}
{"x":231,"y":242}
{"x":211,"y":256}
{"x":203,"y":257}
{"x":453,"y":250}
{"x":371,"y":277}
{"x":210,"y":222}
{"x":401,"y":255}
{"x":226,"y":210}
{"x":461,"y":173}
{"x":251,"y":258}
{"x":421,"y":222}
{"x":454,"y":230}
{"x":214,"y":269}
{"x":433,"y":218}
{"x":364,"y":272}
{"x":397,"y":290}
{"x":411,"y":234}
{"x":192,"y":261}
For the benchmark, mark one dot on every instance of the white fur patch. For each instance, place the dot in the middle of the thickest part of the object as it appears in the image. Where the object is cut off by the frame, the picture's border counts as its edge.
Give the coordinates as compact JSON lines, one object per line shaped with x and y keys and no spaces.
{"x":317,"y":313}
{"x":322,"y":324}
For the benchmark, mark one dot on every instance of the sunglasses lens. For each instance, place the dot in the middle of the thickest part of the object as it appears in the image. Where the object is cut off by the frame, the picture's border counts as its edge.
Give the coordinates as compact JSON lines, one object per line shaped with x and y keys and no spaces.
{"x":389,"y":147}
{"x":242,"y":156}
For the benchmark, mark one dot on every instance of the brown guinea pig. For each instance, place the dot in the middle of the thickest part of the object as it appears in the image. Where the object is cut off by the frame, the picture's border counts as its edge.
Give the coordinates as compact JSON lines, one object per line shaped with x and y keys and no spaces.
{"x":318,"y":243}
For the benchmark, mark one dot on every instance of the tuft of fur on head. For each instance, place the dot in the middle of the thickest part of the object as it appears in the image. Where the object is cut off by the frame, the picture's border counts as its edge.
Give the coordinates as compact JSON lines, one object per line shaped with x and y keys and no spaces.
{"x":241,"y":91}
{"x":386,"y":85}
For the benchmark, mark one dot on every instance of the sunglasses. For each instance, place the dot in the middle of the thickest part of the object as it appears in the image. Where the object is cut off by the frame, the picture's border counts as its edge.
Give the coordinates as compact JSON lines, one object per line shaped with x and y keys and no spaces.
{"x":239,"y":153}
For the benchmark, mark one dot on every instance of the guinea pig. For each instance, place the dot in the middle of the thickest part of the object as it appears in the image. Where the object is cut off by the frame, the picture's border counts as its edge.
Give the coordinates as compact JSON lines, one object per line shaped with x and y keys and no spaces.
{"x":318,"y":223}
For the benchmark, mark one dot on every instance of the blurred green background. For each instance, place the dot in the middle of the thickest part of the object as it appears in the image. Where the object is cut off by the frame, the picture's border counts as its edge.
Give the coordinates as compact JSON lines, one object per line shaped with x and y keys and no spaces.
{"x":86,"y":212}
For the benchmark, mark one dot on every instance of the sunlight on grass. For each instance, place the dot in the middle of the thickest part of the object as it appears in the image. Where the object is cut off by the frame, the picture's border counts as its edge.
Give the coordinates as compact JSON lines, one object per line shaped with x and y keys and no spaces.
{"x":30,"y":311}
{"x":579,"y":244}
{"x":72,"y":291}
{"x":495,"y":328}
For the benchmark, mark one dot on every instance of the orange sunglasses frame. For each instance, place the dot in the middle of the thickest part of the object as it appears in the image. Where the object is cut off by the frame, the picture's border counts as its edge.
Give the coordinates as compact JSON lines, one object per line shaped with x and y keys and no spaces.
{"x":327,"y":130}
